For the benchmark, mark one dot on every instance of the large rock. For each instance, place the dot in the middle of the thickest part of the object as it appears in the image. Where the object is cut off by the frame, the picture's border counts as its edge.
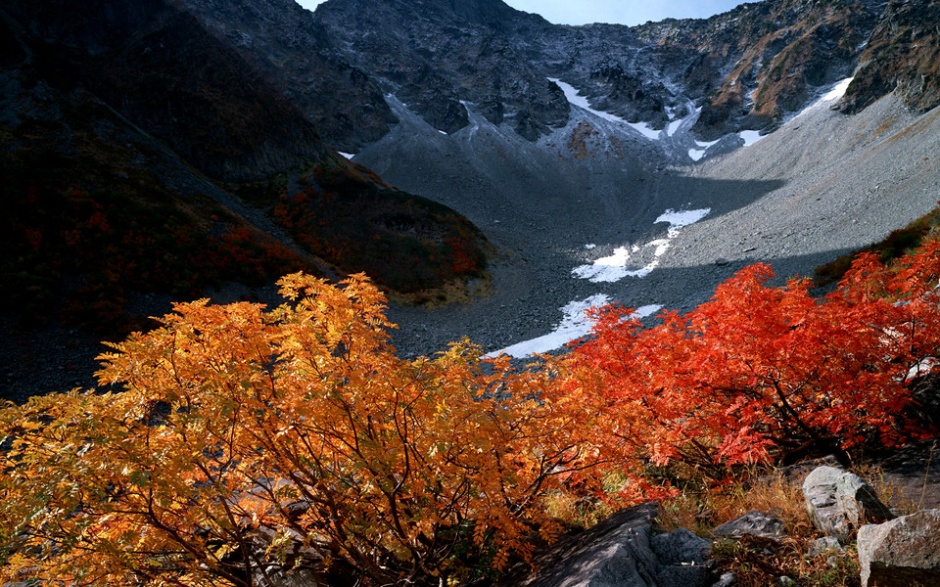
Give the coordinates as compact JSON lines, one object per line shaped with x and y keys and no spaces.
{"x":902,"y":553}
{"x":683,"y":558}
{"x":621,"y":551}
{"x":753,"y":523}
{"x":840,"y":502}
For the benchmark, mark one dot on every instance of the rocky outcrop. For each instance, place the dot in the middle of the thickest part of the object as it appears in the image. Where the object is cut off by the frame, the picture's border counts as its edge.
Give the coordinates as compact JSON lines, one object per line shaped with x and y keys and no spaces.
{"x":901,"y":553}
{"x":621,"y":551}
{"x":753,"y":523}
{"x":901,"y":56}
{"x":433,"y":55}
{"x":683,"y":558}
{"x":282,"y":40}
{"x":840,"y":502}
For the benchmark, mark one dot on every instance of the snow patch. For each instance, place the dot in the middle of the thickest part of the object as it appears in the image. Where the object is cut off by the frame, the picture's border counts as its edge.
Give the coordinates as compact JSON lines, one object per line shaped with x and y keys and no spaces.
{"x":835,"y":92}
{"x":613,"y":268}
{"x":697,"y":154}
{"x":838,"y":90}
{"x":575,"y":98}
{"x":673,"y":127}
{"x":644,"y":129}
{"x":575,"y":324}
{"x":750,"y":137}
{"x":590,"y":246}
{"x":347,"y":155}
{"x":681,"y":218}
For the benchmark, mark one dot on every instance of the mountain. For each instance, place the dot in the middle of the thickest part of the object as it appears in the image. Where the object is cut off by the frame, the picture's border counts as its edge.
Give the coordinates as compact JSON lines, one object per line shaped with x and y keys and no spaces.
{"x":659,"y":117}
{"x":283,"y":41}
{"x":434,"y":55}
{"x":901,"y":56}
{"x":145,"y":160}
{"x":576,"y":164}
{"x":747,"y":69}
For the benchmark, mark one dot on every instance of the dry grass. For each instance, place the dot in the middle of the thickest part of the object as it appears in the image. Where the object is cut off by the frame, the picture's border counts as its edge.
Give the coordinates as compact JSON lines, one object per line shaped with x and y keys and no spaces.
{"x":757,"y":562}
{"x":578,"y":512}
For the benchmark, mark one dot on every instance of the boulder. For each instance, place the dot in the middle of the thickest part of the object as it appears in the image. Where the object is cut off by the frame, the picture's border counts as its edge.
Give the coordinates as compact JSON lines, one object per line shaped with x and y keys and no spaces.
{"x":840,"y":502}
{"x":901,"y":553}
{"x":621,"y":551}
{"x":753,"y":523}
{"x":683,"y":558}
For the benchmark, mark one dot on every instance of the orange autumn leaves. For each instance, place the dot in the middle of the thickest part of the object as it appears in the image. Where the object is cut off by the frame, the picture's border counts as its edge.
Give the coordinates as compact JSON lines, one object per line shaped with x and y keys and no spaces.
{"x":240,"y":434}
{"x":239,"y":440}
{"x":759,"y":373}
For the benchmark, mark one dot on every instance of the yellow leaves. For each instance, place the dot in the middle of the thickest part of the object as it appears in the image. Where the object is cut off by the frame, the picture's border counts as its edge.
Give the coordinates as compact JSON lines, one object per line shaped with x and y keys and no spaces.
{"x":550,"y":531}
{"x":301,"y":419}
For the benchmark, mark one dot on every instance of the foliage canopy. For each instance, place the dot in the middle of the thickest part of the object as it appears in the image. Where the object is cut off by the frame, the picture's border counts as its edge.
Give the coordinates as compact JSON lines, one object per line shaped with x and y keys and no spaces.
{"x":239,"y":442}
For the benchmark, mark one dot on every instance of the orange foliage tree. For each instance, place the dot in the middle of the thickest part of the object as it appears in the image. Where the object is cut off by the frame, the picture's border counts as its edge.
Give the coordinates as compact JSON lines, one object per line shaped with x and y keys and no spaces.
{"x":760,"y":373}
{"x":241,"y":440}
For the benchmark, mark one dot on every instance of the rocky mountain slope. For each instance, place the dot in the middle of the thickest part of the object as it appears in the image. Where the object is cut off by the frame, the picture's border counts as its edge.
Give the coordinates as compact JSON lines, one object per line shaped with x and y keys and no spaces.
{"x":145,"y":160}
{"x":656,"y":121}
{"x":747,"y":69}
{"x":602,"y":162}
{"x":283,"y":41}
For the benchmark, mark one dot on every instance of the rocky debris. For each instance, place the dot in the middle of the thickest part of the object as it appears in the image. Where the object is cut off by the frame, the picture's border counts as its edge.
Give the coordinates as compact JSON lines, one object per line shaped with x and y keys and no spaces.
{"x":915,"y":471}
{"x":753,"y":523}
{"x":840,"y":502}
{"x":824,"y":545}
{"x":621,"y":551}
{"x":901,"y":553}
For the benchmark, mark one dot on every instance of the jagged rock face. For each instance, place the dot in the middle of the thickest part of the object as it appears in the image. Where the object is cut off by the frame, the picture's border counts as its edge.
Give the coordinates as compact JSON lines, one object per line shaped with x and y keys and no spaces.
{"x":281,"y":39}
{"x":747,"y":69}
{"x":902,"y":55}
{"x":781,"y":52}
{"x":159,"y":69}
{"x":432,"y":55}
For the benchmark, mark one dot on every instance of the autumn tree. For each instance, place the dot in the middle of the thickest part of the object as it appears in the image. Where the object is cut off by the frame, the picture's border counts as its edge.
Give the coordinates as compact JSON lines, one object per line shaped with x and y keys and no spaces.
{"x":234,"y":442}
{"x":759,"y":373}
{"x":238,"y":440}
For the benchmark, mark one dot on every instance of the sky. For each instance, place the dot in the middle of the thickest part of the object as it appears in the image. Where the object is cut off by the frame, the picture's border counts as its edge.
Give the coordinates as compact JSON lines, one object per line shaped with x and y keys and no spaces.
{"x":629,"y":12}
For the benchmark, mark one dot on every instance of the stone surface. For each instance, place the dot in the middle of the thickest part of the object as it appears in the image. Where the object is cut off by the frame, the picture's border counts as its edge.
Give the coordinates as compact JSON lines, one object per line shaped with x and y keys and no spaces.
{"x":840,"y":502}
{"x":823,"y":545}
{"x":621,"y":551}
{"x":915,"y":471}
{"x":753,"y":523}
{"x":901,"y":553}
{"x":683,"y":558}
